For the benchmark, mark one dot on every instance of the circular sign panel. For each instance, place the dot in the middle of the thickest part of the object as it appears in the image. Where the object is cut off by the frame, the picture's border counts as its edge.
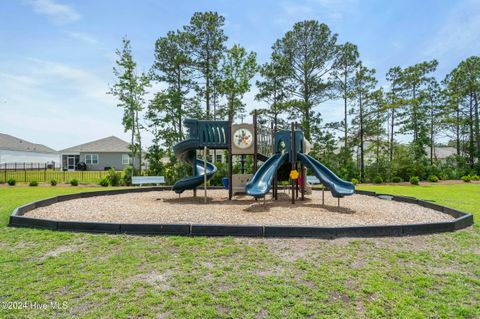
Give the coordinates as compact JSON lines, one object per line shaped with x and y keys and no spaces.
{"x":243,"y":138}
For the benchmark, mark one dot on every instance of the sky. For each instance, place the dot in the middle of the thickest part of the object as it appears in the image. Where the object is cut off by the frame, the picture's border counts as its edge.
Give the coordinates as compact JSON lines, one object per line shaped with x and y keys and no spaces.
{"x":57,"y":56}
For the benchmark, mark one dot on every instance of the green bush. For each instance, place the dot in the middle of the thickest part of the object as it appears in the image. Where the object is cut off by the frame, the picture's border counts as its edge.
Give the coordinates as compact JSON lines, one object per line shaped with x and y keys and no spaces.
{"x":466,"y":178}
{"x":74,"y":182}
{"x":175,"y":171}
{"x":444,"y":176}
{"x":127,"y":175}
{"x":53,"y":182}
{"x":114,"y":177}
{"x":433,"y":178}
{"x":11,"y":182}
{"x":378,"y":179}
{"x":354,"y":181}
{"x":414,"y":180}
{"x":475,"y":178}
{"x":104,"y":182}
{"x":396,"y":179}
{"x":222,"y":172}
{"x":33,"y":183}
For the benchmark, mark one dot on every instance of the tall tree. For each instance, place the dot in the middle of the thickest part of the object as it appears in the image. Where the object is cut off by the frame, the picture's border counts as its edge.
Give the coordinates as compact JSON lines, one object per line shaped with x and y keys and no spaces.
{"x":454,"y":119}
{"x":130,"y":90}
{"x":365,"y":122}
{"x":463,"y":89}
{"x":394,"y":102}
{"x":272,"y":87}
{"x":471,"y":70}
{"x":344,"y":70}
{"x":238,"y":68}
{"x":207,"y":46}
{"x":375,"y":131}
{"x":414,"y":80}
{"x":172,"y":69}
{"x":434,"y":102}
{"x":309,"y":50}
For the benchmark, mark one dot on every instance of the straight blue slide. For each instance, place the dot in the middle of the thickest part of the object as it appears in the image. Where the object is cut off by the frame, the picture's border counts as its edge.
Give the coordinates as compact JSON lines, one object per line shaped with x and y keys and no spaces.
{"x":337,"y":186}
{"x":261,"y":182}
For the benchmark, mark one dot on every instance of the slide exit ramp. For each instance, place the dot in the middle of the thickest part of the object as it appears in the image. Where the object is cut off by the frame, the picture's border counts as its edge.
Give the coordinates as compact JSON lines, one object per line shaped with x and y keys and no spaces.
{"x":337,"y":186}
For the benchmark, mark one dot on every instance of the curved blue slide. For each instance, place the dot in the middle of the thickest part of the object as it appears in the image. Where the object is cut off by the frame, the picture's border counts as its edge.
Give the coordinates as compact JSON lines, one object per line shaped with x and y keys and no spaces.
{"x":185,"y":151}
{"x":261,"y":182}
{"x":337,"y":186}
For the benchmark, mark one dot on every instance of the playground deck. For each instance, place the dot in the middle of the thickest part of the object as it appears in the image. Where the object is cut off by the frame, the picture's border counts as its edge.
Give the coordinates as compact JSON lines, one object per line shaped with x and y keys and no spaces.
{"x":167,"y":207}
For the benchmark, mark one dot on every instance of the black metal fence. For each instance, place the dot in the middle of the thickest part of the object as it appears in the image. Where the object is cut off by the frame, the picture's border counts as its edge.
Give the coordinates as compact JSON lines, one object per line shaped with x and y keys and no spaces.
{"x":46,"y":172}
{"x":30,"y":166}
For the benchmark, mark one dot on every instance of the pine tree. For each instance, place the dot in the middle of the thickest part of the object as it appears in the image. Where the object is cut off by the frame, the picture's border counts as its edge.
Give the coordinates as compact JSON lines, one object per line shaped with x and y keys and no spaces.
{"x":414,"y":81}
{"x":364,"y":123}
{"x":272,"y":88}
{"x":434,"y":103}
{"x":206,"y":46}
{"x":393,"y":104}
{"x":172,"y":69}
{"x":343,"y":74}
{"x":238,"y":68}
{"x":130,"y":90}
{"x":309,"y":50}
{"x":462,"y":90}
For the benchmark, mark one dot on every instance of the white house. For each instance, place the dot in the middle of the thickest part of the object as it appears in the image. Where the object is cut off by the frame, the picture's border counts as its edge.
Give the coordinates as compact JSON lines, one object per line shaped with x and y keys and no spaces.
{"x":15,"y":150}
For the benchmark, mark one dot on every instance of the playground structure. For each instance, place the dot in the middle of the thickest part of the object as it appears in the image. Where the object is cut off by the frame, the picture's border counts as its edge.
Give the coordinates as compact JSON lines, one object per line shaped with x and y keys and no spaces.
{"x":288,"y":148}
{"x":157,"y":210}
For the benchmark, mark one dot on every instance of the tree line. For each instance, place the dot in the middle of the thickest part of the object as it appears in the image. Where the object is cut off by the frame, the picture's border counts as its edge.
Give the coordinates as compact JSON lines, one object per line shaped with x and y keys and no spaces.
{"x":199,"y":76}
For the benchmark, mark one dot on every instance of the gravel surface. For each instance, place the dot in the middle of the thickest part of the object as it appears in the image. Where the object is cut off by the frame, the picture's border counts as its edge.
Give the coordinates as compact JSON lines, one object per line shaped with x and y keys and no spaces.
{"x":167,"y":207}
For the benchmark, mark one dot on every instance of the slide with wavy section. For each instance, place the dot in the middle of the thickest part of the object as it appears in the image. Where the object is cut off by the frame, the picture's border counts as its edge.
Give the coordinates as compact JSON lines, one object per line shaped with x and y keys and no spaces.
{"x":185,"y":151}
{"x":337,"y":186}
{"x":261,"y":182}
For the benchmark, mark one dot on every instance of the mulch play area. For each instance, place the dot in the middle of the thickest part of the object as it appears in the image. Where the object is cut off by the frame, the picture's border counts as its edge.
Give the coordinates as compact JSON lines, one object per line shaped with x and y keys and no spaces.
{"x":166,"y":207}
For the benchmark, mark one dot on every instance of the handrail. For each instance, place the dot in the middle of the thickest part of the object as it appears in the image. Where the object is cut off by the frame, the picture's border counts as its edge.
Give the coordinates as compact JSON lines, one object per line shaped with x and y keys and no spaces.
{"x":208,"y":133}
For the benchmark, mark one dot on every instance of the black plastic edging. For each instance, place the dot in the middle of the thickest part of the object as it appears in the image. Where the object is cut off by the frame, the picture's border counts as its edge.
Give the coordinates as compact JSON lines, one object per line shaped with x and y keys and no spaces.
{"x":462,"y":220}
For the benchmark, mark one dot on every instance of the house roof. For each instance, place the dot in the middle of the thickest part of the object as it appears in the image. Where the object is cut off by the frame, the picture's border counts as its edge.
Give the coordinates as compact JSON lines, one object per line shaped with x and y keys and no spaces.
{"x":442,"y":152}
{"x":12,"y":143}
{"x":111,"y":144}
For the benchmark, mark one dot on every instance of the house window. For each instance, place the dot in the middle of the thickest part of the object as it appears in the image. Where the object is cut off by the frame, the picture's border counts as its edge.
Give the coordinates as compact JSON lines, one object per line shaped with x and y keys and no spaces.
{"x":91,"y":159}
{"x":126,"y":159}
{"x":219,"y":158}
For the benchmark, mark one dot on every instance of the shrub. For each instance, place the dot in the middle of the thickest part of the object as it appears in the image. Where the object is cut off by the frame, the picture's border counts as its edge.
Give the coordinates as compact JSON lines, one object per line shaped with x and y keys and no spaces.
{"x":475,"y":178}
{"x":104,"y":182}
{"x":444,"y":176}
{"x":11,"y":182}
{"x":466,"y":178}
{"x":175,"y":171}
{"x":414,"y":180}
{"x":114,"y":177}
{"x":219,"y":175}
{"x":74,"y":182}
{"x":354,"y":181}
{"x":127,"y":175}
{"x":433,"y":178}
{"x":33,"y":183}
{"x":53,"y":182}
{"x":396,"y":179}
{"x":378,"y":179}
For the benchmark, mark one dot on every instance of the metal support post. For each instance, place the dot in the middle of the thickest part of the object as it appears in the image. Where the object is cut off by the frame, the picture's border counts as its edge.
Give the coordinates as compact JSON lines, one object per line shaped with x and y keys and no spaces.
{"x":323,"y":195}
{"x":205,"y":173}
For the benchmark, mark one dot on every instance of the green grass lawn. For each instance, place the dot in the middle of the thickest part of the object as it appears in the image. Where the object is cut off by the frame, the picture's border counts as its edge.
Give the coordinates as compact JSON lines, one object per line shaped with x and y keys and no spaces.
{"x":121,"y":276}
